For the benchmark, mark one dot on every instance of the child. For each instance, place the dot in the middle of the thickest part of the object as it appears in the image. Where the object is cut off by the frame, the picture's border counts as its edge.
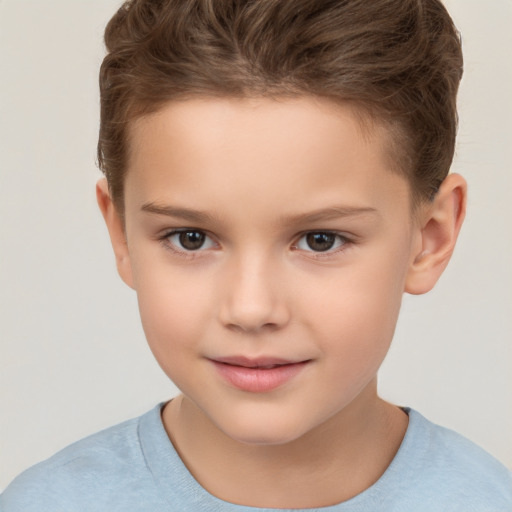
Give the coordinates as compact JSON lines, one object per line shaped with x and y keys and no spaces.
{"x":276,"y":179}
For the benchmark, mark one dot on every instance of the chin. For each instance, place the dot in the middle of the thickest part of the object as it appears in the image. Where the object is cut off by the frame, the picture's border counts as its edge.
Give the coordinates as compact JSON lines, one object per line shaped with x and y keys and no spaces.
{"x":262,"y":431}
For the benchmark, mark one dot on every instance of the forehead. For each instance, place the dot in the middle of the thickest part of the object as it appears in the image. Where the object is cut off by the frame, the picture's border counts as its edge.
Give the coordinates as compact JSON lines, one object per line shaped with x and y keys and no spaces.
{"x":259,"y":149}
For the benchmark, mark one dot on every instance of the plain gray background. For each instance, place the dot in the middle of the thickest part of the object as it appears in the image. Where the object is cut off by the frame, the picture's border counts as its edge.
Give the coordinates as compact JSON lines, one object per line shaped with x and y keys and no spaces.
{"x":73,"y":358}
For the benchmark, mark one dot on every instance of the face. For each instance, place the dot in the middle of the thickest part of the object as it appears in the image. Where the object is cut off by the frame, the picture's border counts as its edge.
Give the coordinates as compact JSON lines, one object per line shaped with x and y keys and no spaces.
{"x":269,"y":245}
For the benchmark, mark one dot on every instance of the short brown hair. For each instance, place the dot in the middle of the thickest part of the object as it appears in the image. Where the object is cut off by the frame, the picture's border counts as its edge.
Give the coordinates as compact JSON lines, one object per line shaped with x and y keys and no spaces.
{"x":400,"y":61}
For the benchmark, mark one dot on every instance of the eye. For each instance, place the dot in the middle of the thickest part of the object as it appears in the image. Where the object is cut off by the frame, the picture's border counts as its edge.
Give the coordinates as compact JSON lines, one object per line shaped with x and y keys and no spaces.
{"x":321,"y":241}
{"x":189,"y":240}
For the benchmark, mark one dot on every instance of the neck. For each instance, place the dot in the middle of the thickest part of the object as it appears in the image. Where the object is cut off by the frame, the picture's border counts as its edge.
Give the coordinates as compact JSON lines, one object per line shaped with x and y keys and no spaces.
{"x":330,"y":464}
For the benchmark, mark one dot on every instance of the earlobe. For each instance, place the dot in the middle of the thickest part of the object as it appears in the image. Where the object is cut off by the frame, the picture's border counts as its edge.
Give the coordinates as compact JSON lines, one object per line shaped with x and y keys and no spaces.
{"x":440,"y":227}
{"x":116,"y":231}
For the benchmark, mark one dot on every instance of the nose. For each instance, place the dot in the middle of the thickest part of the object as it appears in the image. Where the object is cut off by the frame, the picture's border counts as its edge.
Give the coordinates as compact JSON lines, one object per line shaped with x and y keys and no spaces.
{"x":253,"y":298}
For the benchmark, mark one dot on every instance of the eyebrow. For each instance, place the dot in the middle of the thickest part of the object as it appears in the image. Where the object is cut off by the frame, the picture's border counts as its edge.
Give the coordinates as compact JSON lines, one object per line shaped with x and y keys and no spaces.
{"x":177,"y":212}
{"x":323,"y":214}
{"x":333,"y":212}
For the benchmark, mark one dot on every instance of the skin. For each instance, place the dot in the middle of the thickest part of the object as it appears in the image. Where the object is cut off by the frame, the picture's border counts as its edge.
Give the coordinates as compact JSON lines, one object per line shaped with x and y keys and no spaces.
{"x":256,"y":288}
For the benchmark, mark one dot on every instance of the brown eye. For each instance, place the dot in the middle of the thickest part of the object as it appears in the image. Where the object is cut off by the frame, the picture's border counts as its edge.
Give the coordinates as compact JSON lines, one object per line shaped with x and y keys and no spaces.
{"x":320,"y":241}
{"x":189,"y":243}
{"x":191,"y":240}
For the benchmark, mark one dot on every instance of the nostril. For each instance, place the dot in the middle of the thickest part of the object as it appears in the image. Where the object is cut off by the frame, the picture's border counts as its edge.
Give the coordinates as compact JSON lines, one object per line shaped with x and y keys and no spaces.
{"x":244,"y":328}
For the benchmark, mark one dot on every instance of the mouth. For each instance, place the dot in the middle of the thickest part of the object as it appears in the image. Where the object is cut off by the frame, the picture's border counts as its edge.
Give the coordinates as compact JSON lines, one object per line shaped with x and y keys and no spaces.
{"x":259,"y":375}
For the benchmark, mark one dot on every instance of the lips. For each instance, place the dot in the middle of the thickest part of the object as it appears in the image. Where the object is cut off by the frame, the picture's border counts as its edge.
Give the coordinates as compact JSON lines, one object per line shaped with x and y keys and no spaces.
{"x":259,"y":375}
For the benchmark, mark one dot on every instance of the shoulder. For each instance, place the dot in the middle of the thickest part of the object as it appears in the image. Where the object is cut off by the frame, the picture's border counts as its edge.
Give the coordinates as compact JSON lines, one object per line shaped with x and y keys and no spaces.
{"x":448,"y":464}
{"x":84,"y":476}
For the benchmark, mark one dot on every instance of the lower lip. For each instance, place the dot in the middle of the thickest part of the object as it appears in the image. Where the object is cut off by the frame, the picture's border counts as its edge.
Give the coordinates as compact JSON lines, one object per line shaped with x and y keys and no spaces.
{"x":258,"y":380}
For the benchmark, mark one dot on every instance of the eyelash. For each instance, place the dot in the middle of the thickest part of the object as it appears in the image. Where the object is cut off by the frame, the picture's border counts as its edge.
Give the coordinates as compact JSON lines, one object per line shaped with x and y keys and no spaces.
{"x":191,"y":254}
{"x":187,"y":254}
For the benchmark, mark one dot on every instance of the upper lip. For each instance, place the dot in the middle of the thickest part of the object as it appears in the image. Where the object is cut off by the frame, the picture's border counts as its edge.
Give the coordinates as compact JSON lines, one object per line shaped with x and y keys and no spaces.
{"x":257,"y":362}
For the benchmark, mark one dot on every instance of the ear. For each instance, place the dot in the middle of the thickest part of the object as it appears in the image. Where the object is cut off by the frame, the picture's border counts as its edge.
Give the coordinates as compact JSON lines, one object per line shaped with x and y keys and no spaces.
{"x":116,"y":231}
{"x":440,"y":224}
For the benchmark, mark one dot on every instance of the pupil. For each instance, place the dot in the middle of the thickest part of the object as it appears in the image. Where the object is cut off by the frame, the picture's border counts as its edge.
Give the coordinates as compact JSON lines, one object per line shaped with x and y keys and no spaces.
{"x":191,"y":239}
{"x":320,"y":241}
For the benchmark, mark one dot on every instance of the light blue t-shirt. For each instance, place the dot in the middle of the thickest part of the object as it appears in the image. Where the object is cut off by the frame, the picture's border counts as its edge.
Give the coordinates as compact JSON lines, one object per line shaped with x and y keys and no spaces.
{"x":134,"y":467}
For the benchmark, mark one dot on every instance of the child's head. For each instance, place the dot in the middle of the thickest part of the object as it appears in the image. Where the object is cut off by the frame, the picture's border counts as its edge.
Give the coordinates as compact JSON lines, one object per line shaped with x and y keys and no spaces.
{"x":262,"y":158}
{"x":398,"y":61}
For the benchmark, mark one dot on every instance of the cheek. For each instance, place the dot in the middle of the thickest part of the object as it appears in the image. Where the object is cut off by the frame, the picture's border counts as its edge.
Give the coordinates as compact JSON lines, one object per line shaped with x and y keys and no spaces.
{"x":355,"y":313}
{"x":174,"y":312}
